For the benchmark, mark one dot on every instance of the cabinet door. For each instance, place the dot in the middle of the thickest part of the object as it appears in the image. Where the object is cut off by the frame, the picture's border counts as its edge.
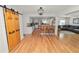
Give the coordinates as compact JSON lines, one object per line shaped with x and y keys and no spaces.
{"x":9,"y":28}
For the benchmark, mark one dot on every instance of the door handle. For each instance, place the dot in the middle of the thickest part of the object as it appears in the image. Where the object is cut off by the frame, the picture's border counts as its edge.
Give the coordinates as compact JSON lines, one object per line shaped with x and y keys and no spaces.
{"x":12,"y":32}
{"x":17,"y":30}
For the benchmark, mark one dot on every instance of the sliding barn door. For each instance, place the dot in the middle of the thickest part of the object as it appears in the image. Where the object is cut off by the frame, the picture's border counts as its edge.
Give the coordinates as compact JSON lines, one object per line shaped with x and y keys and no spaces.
{"x":17,"y":33}
{"x":12,"y":27}
{"x":9,"y":28}
{"x":17,"y":27}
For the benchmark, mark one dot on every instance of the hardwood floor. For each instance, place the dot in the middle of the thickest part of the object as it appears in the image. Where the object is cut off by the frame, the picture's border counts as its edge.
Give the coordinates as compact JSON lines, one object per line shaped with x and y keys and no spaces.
{"x":37,"y":43}
{"x":72,"y":42}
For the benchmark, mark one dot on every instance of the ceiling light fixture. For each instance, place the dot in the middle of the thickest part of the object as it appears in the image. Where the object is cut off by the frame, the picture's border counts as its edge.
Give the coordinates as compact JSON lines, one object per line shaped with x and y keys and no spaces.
{"x":40,"y":11}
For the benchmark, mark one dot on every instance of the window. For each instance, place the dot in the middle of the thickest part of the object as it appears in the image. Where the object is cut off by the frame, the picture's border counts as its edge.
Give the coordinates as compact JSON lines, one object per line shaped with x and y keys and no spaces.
{"x":62,"y":22}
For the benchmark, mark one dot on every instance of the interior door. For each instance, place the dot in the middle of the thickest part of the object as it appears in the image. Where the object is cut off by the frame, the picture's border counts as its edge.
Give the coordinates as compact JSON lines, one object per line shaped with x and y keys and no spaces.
{"x":17,"y":27}
{"x":14,"y":28}
{"x":9,"y":28}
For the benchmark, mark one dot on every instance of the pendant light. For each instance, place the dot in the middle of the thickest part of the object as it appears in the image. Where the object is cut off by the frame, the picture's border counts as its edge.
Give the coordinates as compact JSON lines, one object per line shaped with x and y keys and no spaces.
{"x":40,"y":11}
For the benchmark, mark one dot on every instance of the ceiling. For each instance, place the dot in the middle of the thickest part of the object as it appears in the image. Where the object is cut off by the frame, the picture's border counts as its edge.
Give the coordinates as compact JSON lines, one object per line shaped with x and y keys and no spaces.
{"x":49,"y":9}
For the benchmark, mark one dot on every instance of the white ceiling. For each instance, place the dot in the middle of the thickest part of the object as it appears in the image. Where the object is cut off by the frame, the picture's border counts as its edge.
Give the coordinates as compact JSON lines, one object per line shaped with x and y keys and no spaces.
{"x":49,"y":9}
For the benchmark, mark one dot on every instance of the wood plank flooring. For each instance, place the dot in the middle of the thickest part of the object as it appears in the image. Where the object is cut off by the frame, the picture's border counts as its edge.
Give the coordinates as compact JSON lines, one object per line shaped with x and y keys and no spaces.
{"x":36,"y":43}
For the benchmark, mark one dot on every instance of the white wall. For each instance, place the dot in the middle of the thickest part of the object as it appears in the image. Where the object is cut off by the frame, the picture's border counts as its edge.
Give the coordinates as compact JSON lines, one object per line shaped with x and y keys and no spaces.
{"x":21,"y":26}
{"x":73,"y":13}
{"x":56,"y":26}
{"x":67,"y":20}
{"x":25,"y":21}
{"x":71,"y":21}
{"x":3,"y":37}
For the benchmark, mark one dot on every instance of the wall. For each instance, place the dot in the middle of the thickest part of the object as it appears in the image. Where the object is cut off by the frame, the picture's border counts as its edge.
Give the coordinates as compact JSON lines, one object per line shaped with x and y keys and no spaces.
{"x":25,"y":21}
{"x":67,"y":20}
{"x":71,"y":21}
{"x":56,"y":25}
{"x":3,"y":37}
{"x":21,"y":26}
{"x":73,"y":13}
